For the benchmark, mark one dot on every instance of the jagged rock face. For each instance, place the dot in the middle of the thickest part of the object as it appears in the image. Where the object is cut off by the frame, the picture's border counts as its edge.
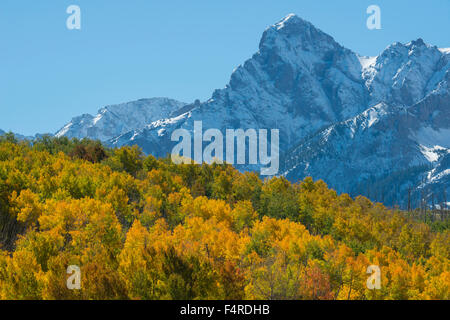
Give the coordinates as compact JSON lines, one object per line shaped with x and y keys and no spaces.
{"x":404,"y":74}
{"x":115,"y":120}
{"x":353,"y":121}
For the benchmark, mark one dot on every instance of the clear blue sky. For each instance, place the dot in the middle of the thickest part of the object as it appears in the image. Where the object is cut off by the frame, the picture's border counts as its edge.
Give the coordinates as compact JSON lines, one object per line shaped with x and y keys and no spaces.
{"x":181,"y":49}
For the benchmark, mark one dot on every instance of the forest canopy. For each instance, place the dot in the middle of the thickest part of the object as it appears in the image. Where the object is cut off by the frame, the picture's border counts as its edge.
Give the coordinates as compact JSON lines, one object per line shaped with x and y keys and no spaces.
{"x":145,"y":228}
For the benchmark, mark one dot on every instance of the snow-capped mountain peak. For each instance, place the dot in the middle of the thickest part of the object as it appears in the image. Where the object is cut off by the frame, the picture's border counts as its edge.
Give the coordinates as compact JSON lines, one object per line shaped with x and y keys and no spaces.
{"x":356,"y":122}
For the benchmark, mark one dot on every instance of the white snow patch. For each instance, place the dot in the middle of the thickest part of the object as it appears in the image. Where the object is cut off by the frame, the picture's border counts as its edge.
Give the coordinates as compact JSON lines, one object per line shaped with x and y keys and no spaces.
{"x":432,"y":154}
{"x":282,"y":23}
{"x":64,"y":130}
{"x":374,"y":114}
{"x":161,"y":132}
{"x":439,"y":176}
{"x":367,"y":62}
{"x":136,"y":133}
{"x":97,"y":118}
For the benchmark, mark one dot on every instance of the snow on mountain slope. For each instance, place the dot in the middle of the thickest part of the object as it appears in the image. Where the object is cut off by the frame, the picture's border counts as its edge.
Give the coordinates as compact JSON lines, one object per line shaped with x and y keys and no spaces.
{"x":114,"y":120}
{"x":381,"y":141}
{"x":405,"y":73}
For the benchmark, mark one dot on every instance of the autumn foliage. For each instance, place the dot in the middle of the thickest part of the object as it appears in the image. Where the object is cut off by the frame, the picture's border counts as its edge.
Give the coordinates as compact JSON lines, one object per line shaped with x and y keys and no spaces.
{"x":143,"y":228}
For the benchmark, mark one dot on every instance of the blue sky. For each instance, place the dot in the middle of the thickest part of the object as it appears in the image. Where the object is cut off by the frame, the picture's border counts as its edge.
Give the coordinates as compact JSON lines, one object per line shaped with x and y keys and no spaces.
{"x":180,"y":49}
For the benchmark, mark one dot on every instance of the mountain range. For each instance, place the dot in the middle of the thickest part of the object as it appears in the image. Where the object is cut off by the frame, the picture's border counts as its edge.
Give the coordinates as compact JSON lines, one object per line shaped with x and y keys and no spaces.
{"x":376,"y":126}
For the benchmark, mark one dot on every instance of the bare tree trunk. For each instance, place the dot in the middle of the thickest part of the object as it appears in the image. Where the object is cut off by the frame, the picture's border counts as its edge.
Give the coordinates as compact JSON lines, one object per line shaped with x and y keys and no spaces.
{"x":409,"y":199}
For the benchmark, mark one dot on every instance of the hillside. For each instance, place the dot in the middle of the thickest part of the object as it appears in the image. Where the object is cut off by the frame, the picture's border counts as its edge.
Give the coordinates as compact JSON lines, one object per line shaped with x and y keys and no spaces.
{"x":145,"y":228}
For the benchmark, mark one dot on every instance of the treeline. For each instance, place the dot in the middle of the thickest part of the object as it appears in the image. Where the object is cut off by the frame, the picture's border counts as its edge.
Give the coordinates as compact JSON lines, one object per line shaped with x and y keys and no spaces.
{"x":145,"y":228}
